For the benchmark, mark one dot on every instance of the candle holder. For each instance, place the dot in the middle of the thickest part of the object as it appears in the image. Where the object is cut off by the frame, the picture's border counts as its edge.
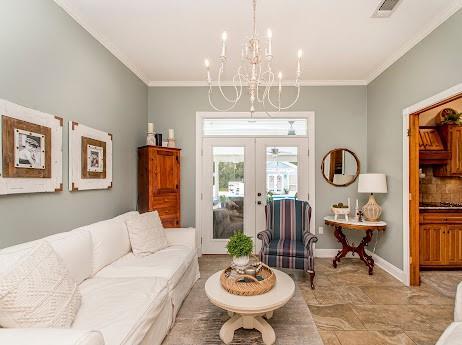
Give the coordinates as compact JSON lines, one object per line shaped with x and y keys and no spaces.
{"x":171,"y":142}
{"x":150,"y":139}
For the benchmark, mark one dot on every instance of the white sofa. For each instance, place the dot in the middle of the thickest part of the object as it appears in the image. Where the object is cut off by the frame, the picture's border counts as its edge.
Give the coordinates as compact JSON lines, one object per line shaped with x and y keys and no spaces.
{"x":453,"y":334}
{"x":125,"y":299}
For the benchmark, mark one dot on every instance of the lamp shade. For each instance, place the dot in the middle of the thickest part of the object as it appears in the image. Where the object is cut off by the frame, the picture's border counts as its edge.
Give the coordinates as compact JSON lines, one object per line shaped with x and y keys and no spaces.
{"x":372,"y":183}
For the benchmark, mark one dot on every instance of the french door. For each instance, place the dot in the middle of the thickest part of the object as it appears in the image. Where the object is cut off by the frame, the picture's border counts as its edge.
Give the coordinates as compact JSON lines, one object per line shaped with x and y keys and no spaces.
{"x":239,"y":176}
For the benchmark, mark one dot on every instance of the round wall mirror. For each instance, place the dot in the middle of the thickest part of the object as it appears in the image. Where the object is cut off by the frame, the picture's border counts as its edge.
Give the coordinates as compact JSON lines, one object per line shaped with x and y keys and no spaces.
{"x":340,"y":167}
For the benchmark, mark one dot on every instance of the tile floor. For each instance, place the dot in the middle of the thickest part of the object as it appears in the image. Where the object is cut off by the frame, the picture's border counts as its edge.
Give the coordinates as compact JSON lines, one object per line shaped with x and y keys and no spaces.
{"x":350,"y":307}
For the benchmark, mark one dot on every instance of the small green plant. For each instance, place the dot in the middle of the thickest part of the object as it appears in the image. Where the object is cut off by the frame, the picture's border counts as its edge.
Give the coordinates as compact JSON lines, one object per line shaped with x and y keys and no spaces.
{"x":239,"y":245}
{"x":453,"y":119}
{"x":340,"y":205}
{"x":269,"y":197}
{"x":223,"y":199}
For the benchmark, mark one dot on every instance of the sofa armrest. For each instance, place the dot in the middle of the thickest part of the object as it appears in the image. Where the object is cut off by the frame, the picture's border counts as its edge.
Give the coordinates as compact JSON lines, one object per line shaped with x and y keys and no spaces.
{"x":50,"y":336}
{"x":184,"y":236}
{"x":458,"y":305}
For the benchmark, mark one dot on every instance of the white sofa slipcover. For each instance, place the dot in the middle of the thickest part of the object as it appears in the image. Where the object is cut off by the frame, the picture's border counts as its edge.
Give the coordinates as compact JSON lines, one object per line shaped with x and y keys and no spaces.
{"x":125,"y":299}
{"x":453,"y":334}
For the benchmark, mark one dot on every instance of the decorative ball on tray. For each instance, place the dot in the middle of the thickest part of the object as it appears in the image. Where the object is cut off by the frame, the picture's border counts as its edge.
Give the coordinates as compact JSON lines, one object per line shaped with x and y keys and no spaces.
{"x":341,"y":209}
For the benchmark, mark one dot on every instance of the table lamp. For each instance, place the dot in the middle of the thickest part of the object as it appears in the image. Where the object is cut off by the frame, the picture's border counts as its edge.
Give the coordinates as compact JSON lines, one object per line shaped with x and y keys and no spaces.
{"x":372,"y":183}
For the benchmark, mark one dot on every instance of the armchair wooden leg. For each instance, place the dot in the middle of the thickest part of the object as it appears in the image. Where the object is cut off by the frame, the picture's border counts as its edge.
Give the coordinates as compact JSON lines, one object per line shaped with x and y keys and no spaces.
{"x":312,"y":274}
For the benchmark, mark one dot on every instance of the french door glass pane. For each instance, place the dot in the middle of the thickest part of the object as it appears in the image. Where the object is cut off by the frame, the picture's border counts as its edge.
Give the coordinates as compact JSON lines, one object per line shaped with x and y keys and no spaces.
{"x":228,"y":191}
{"x":281,"y":173}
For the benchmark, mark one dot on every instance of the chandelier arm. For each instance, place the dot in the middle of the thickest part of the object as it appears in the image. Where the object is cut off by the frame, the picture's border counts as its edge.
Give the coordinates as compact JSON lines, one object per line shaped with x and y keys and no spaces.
{"x":220,"y":109}
{"x":229,"y":100}
{"x":268,"y":85}
{"x":279,"y":108}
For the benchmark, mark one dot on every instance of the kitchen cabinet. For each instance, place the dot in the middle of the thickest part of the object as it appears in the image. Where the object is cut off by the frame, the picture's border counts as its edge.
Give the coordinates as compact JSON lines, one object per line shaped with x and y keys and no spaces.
{"x":452,"y":134}
{"x":441,"y":240}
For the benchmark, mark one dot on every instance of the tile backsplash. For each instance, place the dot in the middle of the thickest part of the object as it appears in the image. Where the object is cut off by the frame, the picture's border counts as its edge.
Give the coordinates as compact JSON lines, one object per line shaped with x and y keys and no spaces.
{"x":440,"y":189}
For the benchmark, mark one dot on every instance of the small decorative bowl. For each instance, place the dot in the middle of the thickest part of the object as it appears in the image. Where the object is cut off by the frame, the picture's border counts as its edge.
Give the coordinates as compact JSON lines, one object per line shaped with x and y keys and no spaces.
{"x":341,"y":211}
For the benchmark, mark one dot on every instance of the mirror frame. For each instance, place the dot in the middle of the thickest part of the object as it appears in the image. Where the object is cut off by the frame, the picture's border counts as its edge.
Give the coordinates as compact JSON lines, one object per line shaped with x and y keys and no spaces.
{"x":358,"y":169}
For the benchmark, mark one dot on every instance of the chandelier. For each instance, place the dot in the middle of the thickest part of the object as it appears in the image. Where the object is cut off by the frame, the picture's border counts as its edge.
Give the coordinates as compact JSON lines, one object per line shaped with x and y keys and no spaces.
{"x":255,"y":72}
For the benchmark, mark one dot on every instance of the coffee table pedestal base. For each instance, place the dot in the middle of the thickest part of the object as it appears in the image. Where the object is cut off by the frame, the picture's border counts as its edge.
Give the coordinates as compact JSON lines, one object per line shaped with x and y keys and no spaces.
{"x":248,"y":322}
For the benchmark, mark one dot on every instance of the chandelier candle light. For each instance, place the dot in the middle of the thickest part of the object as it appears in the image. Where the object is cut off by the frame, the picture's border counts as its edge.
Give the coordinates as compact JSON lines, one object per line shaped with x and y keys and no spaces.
{"x":255,"y":72}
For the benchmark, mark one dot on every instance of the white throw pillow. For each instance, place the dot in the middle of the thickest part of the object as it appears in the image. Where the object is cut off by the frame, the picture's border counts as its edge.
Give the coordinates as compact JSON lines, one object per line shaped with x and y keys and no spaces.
{"x":147,"y":235}
{"x":38,"y":292}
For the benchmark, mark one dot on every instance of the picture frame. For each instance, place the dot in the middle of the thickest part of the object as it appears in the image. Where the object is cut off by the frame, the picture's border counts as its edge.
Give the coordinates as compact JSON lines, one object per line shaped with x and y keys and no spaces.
{"x":90,"y":158}
{"x":30,"y":150}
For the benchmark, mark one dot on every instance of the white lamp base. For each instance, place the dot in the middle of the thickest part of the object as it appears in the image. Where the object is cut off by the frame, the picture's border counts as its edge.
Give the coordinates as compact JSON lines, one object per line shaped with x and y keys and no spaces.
{"x":372,"y":210}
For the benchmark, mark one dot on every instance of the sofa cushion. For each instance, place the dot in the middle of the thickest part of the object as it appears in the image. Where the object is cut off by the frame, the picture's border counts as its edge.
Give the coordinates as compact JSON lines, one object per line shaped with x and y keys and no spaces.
{"x":110,"y":241}
{"x":147,"y":235}
{"x":38,"y":291}
{"x":452,"y":335}
{"x":122,"y":309}
{"x":74,"y":248}
{"x":169,"y":263}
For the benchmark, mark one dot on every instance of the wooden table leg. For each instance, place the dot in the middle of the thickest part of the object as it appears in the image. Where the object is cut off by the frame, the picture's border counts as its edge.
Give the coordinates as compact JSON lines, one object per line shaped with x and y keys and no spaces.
{"x":361,"y":250}
{"x":346,"y":248}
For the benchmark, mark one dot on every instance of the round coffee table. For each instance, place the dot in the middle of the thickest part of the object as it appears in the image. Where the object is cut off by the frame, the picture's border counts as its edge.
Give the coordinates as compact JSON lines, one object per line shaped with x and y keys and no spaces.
{"x":248,"y":311}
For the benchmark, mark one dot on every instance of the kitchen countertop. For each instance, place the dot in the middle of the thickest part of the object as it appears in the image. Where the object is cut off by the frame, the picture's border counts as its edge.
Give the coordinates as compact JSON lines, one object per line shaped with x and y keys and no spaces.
{"x":439,"y":209}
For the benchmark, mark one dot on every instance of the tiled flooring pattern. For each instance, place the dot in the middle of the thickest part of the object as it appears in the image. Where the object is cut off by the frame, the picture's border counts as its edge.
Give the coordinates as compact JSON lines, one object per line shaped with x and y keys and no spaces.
{"x":352,"y":308}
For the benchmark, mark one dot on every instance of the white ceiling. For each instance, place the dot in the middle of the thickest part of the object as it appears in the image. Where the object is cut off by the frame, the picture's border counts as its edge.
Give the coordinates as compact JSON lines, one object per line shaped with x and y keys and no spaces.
{"x":165,"y":42}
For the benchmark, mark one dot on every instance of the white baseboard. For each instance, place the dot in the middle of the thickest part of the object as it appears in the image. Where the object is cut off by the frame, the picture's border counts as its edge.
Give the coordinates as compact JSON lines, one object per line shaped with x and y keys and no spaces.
{"x":379,"y":261}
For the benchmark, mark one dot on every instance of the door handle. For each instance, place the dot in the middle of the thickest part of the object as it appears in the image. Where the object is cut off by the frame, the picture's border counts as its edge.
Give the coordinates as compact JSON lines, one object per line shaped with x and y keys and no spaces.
{"x":258,"y":194}
{"x":259,"y":202}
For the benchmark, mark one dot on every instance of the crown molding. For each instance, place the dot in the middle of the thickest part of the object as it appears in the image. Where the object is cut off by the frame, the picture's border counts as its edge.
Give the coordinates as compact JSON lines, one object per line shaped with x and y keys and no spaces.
{"x":285,"y":83}
{"x":67,"y":6}
{"x":427,"y":30}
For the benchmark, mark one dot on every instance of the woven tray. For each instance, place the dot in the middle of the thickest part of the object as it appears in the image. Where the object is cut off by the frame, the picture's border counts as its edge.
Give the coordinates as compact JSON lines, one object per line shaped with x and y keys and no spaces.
{"x":252,"y":286}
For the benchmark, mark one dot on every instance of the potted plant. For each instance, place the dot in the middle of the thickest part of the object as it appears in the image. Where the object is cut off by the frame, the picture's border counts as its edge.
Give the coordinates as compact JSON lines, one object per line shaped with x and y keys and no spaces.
{"x":223,"y":200}
{"x":240,"y":246}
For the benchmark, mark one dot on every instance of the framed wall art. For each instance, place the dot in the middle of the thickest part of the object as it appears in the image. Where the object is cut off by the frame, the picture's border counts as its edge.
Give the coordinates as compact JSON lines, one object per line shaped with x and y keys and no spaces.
{"x":31,"y":150}
{"x":90,"y":158}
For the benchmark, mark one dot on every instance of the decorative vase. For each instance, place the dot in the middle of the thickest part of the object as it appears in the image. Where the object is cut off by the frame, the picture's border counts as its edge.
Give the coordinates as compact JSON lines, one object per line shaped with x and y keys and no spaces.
{"x":241,"y":261}
{"x":372,"y":210}
{"x":158,"y":139}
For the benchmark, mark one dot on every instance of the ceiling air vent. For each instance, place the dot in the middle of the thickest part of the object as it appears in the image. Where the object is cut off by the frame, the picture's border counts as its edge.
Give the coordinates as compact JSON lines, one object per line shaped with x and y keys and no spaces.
{"x":386,"y":8}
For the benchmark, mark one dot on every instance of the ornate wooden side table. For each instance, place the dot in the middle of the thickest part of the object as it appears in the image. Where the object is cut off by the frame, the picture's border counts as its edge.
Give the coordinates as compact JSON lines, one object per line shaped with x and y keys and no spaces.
{"x":367,"y":227}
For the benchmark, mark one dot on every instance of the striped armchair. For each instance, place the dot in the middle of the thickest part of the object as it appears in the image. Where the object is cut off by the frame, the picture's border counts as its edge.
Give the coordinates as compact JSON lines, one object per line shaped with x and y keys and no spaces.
{"x":287,"y":241}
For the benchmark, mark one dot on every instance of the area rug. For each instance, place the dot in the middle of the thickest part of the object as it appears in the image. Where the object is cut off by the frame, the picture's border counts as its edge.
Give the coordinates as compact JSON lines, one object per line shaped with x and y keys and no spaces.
{"x":198,"y":323}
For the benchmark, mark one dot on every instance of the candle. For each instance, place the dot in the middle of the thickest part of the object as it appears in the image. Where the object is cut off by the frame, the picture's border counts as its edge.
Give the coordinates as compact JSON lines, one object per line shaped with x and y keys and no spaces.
{"x":280,"y":81}
{"x":349,"y":203}
{"x":357,"y":204}
{"x":300,"y":54}
{"x":171,"y":134}
{"x":207,"y":66}
{"x":270,"y":35}
{"x":224,"y":37}
{"x":150,"y":127}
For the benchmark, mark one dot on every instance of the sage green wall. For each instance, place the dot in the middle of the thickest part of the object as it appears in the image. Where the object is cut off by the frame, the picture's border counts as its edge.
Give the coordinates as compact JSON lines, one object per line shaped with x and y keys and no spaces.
{"x":434,"y":65}
{"x":340,"y":122}
{"x":50,"y":63}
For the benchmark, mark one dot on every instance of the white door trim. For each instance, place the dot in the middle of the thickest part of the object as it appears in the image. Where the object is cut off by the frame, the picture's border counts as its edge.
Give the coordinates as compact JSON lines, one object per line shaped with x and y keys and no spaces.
{"x":406,"y":113}
{"x":309,"y":115}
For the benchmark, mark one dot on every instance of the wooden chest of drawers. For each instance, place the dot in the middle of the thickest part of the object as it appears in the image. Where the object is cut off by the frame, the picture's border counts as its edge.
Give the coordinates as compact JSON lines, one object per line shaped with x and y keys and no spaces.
{"x":159,"y":183}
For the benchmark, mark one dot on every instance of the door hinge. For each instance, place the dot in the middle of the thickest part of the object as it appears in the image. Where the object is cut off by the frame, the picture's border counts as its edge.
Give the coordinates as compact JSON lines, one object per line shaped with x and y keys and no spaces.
{"x":202,"y":196}
{"x":410,"y":260}
{"x":410,"y":196}
{"x":408,"y":132}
